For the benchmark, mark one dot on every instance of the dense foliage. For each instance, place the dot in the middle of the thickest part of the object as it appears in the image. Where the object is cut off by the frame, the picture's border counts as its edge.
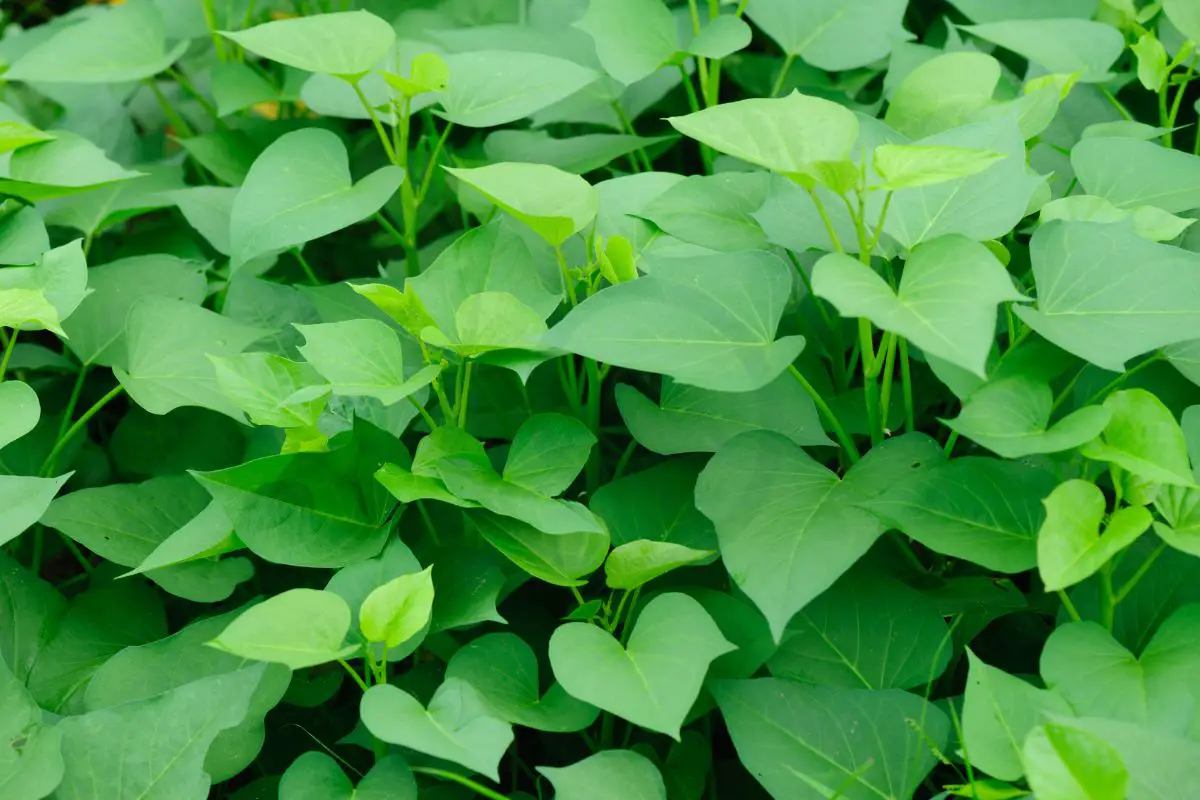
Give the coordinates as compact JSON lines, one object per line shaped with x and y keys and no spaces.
{"x":600,"y":400}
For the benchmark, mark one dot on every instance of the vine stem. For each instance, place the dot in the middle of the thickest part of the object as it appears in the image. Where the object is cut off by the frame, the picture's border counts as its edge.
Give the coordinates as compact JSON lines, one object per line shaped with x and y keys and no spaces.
{"x":831,"y":418}
{"x":1072,"y":612}
{"x":9,"y":347}
{"x":51,"y":460}
{"x":1124,"y":376}
{"x":384,"y":139}
{"x":782,"y":76}
{"x":478,"y":788}
{"x":354,"y":674}
{"x":1129,"y":585}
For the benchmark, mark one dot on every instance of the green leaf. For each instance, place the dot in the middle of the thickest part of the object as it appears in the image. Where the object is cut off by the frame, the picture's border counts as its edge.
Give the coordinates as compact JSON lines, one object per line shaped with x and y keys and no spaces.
{"x":653,"y":681}
{"x":998,"y":712}
{"x":502,"y":668}
{"x":708,"y":321}
{"x":561,"y":559}
{"x":355,"y":582}
{"x":346,"y":44}
{"x":1011,"y":417}
{"x":548,"y":453}
{"x":1129,"y":172}
{"x":22,"y":410}
{"x":555,"y":204}
{"x":169,"y":343}
{"x":712,"y":211}
{"x":993,"y":11}
{"x":209,"y":210}
{"x":1071,"y":546}
{"x":94,"y":212}
{"x":1185,"y":17}
{"x":786,"y":135}
{"x":1100,"y":678}
{"x":300,"y":189}
{"x":657,"y":504}
{"x":236,"y":86}
{"x":907,"y":166}
{"x":316,"y":776}
{"x":228,"y":155}
{"x":399,"y":609}
{"x":272,"y":390}
{"x":1151,"y":57}
{"x":633,"y":564}
{"x":494,"y":87}
{"x":866,"y":631}
{"x":455,"y":726}
{"x":1061,"y":46}
{"x":56,"y":285}
{"x":97,"y":330}
{"x":1143,"y":437}
{"x":830,"y":34}
{"x":946,"y":303}
{"x":69,"y":164}
{"x":15,"y":134}
{"x":298,"y":628}
{"x":1061,"y":761}
{"x":32,"y":608}
{"x":810,"y":742}
{"x":362,"y":357}
{"x":579,"y":154}
{"x":23,"y":500}
{"x":124,"y":43}
{"x":1149,"y":222}
{"x":23,"y":236}
{"x":788,"y":527}
{"x":311,"y":509}
{"x":943,"y":93}
{"x":607,"y":775}
{"x":168,"y":734}
{"x":627,"y":52}
{"x":980,"y":509}
{"x":1106,"y":294}
{"x":721,"y":37}
{"x":31,"y":763}
{"x":698,"y":420}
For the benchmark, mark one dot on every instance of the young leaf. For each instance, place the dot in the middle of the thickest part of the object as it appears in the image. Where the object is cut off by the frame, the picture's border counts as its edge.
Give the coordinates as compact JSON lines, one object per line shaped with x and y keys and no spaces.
{"x":298,"y":628}
{"x":455,"y":727}
{"x":1151,"y":56}
{"x":346,"y":44}
{"x":946,"y":303}
{"x":208,"y":534}
{"x":627,"y":52}
{"x":362,"y":357}
{"x":943,"y":93}
{"x":721,"y":37}
{"x":1071,"y":546}
{"x":300,"y":189}
{"x":1143,"y":437}
{"x":708,"y":321}
{"x":548,"y":452}
{"x":633,"y":564}
{"x":272,"y":390}
{"x":403,"y":306}
{"x":503,"y":670}
{"x":905,"y":166}
{"x":555,"y":204}
{"x":22,"y":410}
{"x":607,"y":775}
{"x":53,"y":289}
{"x":398,"y":610}
{"x":1061,"y":761}
{"x":654,"y":680}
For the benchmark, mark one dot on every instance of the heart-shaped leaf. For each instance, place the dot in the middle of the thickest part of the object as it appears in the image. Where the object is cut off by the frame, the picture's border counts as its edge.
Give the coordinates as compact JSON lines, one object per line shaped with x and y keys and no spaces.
{"x":399,"y":609}
{"x":298,"y":628}
{"x":633,"y":564}
{"x":347,"y":44}
{"x":608,"y":775}
{"x":1071,"y":546}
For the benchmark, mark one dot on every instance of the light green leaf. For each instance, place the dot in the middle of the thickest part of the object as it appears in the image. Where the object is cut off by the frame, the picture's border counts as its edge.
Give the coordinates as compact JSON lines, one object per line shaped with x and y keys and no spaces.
{"x":1129,"y":172}
{"x":1000,"y":10}
{"x":1011,"y":417}
{"x":490,"y":321}
{"x":1143,"y":437}
{"x":946,"y":303}
{"x":708,"y":321}
{"x":355,"y":582}
{"x":607,"y":775}
{"x":404,"y":307}
{"x":657,"y":504}
{"x":15,"y":134}
{"x":1071,"y":546}
{"x":124,"y":43}
{"x":555,"y":204}
{"x":814,"y":742}
{"x":494,"y":87}
{"x":998,"y":712}
{"x":455,"y":727}
{"x":786,"y":134}
{"x":636,"y":563}
{"x":832,"y":34}
{"x":654,"y":680}
{"x":236,"y":86}
{"x":1061,"y":761}
{"x":169,"y":343}
{"x":298,"y":628}
{"x":49,"y":291}
{"x":721,"y":37}
{"x":1154,"y":760}
{"x":1184,"y":16}
{"x":168,"y":734}
{"x":399,"y":609}
{"x":788,"y":527}
{"x":943,"y":93}
{"x":31,"y":763}
{"x":628,"y":52}
{"x":300,"y":189}
{"x":562,"y":559}
{"x":712,"y":211}
{"x":1106,"y":294}
{"x":22,"y":410}
{"x":67,"y":165}
{"x":23,"y":236}
{"x":346,"y":44}
{"x":835,"y":640}
{"x":209,"y":533}
{"x":548,"y":453}
{"x":504,"y":671}
{"x":272,"y":390}
{"x":1149,"y":222}
{"x":316,"y":776}
{"x":1061,"y":46}
{"x":907,"y":166}
{"x":97,"y":330}
{"x":1151,"y":57}
{"x":362,"y":357}
{"x":208,"y":209}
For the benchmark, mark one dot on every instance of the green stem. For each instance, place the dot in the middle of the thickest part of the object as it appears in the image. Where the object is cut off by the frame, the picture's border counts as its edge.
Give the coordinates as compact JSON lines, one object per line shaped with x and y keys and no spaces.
{"x":391,"y":229}
{"x":627,"y":124}
{"x":425,"y":415}
{"x":1124,"y":376}
{"x":354,"y":674}
{"x":782,"y":76}
{"x":871,"y":369}
{"x":1108,"y":603}
{"x":1117,"y":104}
{"x":1173,"y":116}
{"x":50,"y":463}
{"x":910,"y":421}
{"x":575,"y":593}
{"x":464,"y":395}
{"x":568,"y":282}
{"x":75,"y":552}
{"x":1130,"y":584}
{"x":308,"y":271}
{"x":693,"y":102}
{"x":210,"y":20}
{"x":69,"y":412}
{"x":174,"y":118}
{"x":887,"y":202}
{"x":1072,"y":612}
{"x":889,"y":367}
{"x":830,"y":418}
{"x":9,"y":347}
{"x":191,"y":89}
{"x":951,"y":440}
{"x":829,"y":229}
{"x":595,"y":384}
{"x":478,"y":788}
{"x":623,"y":461}
{"x":427,"y":179}
{"x":384,"y":139}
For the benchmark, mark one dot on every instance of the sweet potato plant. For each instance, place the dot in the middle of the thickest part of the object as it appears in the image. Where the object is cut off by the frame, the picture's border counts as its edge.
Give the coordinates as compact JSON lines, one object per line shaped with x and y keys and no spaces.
{"x":600,"y":400}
